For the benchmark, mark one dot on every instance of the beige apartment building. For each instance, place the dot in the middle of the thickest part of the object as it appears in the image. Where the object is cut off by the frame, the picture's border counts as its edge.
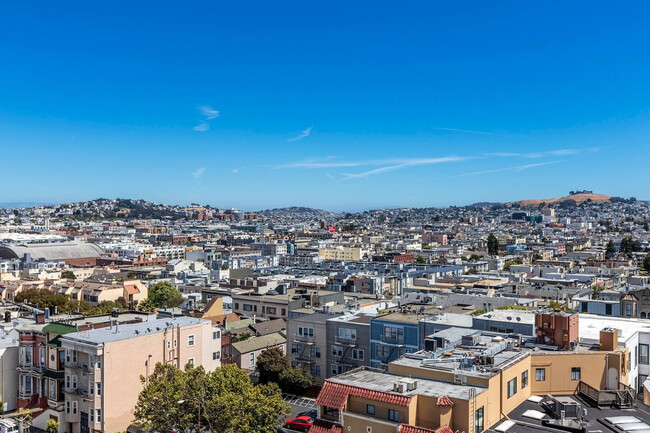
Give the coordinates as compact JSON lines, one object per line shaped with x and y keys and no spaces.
{"x":472,"y":389}
{"x":103,"y":367}
{"x":340,"y":254}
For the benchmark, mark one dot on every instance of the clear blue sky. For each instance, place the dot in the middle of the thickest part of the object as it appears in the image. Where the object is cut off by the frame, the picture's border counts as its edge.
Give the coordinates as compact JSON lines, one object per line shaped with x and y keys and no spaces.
{"x":337,"y":105}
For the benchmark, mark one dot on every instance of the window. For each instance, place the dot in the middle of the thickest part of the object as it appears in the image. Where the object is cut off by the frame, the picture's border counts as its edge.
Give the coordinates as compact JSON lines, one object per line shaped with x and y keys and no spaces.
{"x":382,"y":351}
{"x":478,"y":420}
{"x":190,"y":340}
{"x":512,"y":387}
{"x":337,"y":350}
{"x":357,"y":354}
{"x":524,"y":379}
{"x":251,"y":358}
{"x":74,"y":382}
{"x":336,"y":369}
{"x":190,"y":361}
{"x":628,"y":310}
{"x":216,"y":335}
{"x":294,"y":348}
{"x":91,"y":361}
{"x":74,"y":407}
{"x":575,"y":373}
{"x":67,"y":381}
{"x":99,"y":362}
{"x":98,"y":387}
{"x":99,"y":415}
{"x":26,"y":355}
{"x":248,"y":307}
{"x":642,"y":378}
{"x":314,"y":352}
{"x":41,"y":356}
{"x":52,"y":389}
{"x":67,"y":406}
{"x":271,"y":310}
{"x":608,"y":309}
{"x":304,"y":331}
{"x":643,"y":354}
{"x":348,"y":333}
{"x":314,"y":370}
{"x":284,"y":312}
{"x":215,"y":356}
{"x":91,"y":387}
{"x":636,"y":355}
{"x":92,"y":415}
{"x":393,"y":415}
{"x":370,"y":409}
{"x":584,"y":307}
{"x":540,"y":374}
{"x":393,"y":333}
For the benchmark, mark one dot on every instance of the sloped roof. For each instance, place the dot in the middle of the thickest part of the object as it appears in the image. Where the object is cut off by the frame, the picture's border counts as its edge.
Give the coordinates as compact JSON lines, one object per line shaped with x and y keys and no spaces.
{"x":335,"y":395}
{"x":322,"y":426}
{"x":444,"y":401}
{"x":405,"y":428}
{"x":257,"y":343}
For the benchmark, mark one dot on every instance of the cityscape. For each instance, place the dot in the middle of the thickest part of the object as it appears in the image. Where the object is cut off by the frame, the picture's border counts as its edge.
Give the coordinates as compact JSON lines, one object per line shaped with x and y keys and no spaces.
{"x":360,"y":217}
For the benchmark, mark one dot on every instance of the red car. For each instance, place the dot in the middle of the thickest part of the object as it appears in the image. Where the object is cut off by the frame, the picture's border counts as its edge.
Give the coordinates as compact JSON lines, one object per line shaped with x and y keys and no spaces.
{"x":302,"y":423}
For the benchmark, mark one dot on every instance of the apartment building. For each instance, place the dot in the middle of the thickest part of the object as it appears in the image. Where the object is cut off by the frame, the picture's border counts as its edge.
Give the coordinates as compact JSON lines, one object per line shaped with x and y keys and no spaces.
{"x":469,"y":388}
{"x":340,"y":254}
{"x":348,"y":343}
{"x":308,"y":338}
{"x":103,"y":366}
{"x":391,"y":336}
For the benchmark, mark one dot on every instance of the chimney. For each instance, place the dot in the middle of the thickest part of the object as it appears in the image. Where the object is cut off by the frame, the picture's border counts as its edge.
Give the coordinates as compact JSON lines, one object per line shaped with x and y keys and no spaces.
{"x":608,"y":339}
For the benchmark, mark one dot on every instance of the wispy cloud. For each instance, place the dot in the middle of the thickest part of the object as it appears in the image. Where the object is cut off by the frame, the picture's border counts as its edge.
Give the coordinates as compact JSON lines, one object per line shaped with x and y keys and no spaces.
{"x":198,"y":172}
{"x":532,"y":155}
{"x":302,"y":135}
{"x":399,"y":164}
{"x":202,"y":127}
{"x":516,"y":169}
{"x":208,"y":112}
{"x":466,"y":131}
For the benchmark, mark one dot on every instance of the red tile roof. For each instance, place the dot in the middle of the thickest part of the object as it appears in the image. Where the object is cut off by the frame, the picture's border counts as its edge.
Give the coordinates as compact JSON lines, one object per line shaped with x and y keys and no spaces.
{"x":443,"y":400}
{"x":321,"y":426}
{"x":131,"y":289}
{"x":405,"y":428}
{"x":335,"y":395}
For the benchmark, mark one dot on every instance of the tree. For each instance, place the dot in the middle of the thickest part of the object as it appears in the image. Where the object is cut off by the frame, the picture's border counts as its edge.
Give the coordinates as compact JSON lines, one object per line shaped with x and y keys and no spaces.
{"x":509,"y":263}
{"x":493,"y":245}
{"x":52,"y":426}
{"x":146,"y":305}
{"x":68,"y":275}
{"x":420,"y":259}
{"x":295,"y":380}
{"x":629,"y":245}
{"x":474,"y":258}
{"x":228,"y":401}
{"x":270,"y":363}
{"x":164,"y":294}
{"x":610,"y":250}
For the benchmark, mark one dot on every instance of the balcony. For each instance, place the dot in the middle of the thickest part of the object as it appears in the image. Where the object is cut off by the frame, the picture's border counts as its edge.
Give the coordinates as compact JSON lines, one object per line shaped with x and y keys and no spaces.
{"x":398,"y":341}
{"x":27,"y":367}
{"x":80,"y":392}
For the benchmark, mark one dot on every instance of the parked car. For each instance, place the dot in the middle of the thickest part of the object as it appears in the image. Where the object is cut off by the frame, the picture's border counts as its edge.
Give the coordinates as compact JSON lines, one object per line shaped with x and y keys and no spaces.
{"x":8,"y":425}
{"x":302,"y":423}
{"x":310,"y":413}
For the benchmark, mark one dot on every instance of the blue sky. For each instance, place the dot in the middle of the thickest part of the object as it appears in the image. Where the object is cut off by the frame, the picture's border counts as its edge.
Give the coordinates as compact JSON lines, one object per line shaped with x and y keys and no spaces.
{"x":337,"y":105}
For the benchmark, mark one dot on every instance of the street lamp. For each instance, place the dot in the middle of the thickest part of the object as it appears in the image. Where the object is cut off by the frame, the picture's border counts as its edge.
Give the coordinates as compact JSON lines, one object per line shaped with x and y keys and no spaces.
{"x":199,"y":419}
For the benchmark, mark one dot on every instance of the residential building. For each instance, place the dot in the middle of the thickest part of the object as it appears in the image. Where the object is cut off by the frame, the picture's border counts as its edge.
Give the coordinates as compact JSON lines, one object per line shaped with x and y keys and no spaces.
{"x":308,"y":338}
{"x":348,"y":343}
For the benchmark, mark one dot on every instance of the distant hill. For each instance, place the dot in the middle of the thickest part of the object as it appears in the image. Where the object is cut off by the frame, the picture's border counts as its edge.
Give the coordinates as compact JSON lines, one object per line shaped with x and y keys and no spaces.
{"x":578,"y":198}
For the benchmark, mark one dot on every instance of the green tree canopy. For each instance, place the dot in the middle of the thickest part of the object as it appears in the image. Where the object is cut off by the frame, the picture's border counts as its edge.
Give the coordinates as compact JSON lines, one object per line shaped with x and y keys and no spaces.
{"x":295,"y":380}
{"x":492,"y":245}
{"x":164,"y":294}
{"x":68,"y":275}
{"x":420,"y":259}
{"x":610,"y":250}
{"x":44,"y":298}
{"x":270,"y":363}
{"x":229,"y":402}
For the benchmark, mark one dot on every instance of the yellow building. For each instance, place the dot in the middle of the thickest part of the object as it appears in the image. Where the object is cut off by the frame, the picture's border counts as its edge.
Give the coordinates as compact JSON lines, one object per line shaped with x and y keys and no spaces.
{"x":340,"y":254}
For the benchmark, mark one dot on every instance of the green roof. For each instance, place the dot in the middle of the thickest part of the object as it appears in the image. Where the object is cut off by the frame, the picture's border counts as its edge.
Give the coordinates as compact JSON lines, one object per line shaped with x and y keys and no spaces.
{"x":59,"y":328}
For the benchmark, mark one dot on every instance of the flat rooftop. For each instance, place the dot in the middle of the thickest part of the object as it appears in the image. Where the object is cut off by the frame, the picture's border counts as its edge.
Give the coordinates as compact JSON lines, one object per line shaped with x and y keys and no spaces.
{"x":382,"y":381}
{"x":126,"y":331}
{"x":593,"y":418}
